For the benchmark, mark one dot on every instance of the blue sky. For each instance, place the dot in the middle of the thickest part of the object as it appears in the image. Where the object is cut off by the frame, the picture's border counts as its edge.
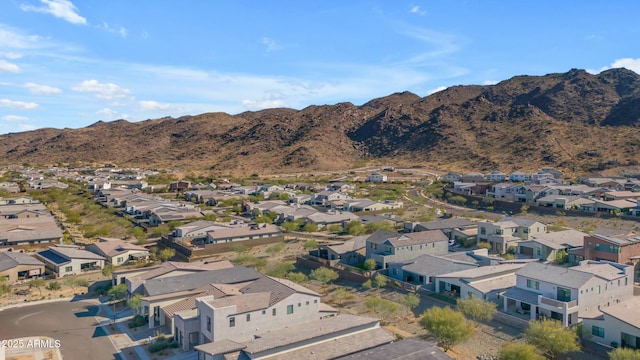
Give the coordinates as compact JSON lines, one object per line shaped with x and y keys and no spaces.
{"x":71,"y":63}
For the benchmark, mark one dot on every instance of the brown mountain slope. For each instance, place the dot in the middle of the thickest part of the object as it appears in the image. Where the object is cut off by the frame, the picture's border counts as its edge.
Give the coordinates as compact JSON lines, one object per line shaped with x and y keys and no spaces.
{"x":576,"y":121}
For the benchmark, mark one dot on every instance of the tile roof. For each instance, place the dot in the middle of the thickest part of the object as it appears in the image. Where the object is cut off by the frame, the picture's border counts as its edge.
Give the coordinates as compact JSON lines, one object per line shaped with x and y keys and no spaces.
{"x":170,"y":266}
{"x":570,"y":237}
{"x":380,"y":236}
{"x":429,"y":264}
{"x":559,"y":275}
{"x":421,"y":237}
{"x":276,"y":290}
{"x":626,"y":311}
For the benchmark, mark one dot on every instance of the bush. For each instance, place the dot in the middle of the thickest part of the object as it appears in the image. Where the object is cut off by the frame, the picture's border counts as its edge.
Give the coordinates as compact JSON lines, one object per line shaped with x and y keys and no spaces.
{"x":162,"y":343}
{"x":137,"y":320}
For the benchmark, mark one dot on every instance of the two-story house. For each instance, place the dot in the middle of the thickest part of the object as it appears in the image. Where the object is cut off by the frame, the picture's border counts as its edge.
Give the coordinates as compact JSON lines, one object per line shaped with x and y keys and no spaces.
{"x":609,"y":244}
{"x":546,"y":246}
{"x":385,"y":247}
{"x":325,"y":197}
{"x":508,"y":231}
{"x":264,"y":304}
{"x":563,"y":293}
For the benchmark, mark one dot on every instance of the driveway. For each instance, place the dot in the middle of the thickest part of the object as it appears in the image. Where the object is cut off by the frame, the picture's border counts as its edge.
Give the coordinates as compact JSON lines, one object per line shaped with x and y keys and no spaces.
{"x":73,"y":323}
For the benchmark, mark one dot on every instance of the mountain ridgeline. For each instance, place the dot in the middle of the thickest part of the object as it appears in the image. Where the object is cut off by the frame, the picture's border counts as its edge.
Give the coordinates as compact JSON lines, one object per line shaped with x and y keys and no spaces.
{"x":575,"y":121}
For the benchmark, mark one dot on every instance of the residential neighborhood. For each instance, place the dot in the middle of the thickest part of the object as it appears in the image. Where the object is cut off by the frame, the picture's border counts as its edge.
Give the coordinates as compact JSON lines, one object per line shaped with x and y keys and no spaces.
{"x":189,"y":267}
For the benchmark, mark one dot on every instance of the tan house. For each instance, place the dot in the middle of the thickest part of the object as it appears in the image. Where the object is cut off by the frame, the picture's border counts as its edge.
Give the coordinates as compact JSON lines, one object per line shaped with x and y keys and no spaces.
{"x":16,"y":266}
{"x":117,"y":251}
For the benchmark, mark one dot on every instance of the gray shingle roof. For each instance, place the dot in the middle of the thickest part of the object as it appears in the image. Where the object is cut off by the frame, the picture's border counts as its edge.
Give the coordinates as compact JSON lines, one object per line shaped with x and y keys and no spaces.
{"x":193,"y":281}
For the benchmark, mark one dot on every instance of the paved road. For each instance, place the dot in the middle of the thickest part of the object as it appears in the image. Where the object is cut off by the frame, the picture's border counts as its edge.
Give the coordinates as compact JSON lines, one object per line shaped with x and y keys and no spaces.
{"x":73,"y":323}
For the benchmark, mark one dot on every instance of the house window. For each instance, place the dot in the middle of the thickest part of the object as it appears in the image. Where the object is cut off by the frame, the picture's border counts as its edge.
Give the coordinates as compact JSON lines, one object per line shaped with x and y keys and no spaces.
{"x":120,"y":260}
{"x":68,"y":268}
{"x":533,"y":284}
{"x":315,"y":301}
{"x":483,"y":231}
{"x":264,"y":312}
{"x":289,"y":309}
{"x":208,"y":323}
{"x":307,"y":303}
{"x":248,"y":317}
{"x":273,"y":312}
{"x":232,"y":321}
{"x":299,"y":304}
{"x":597,"y":331}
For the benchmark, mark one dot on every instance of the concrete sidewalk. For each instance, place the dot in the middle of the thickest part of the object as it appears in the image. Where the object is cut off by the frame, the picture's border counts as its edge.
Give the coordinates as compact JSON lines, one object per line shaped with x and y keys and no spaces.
{"x":124,"y":338}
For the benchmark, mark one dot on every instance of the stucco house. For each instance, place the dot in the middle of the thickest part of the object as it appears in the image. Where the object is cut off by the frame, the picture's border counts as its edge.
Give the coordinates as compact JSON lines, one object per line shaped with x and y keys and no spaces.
{"x":117,"y":251}
{"x":386,"y":247}
{"x":546,"y":246}
{"x":424,"y":269}
{"x":17,"y":266}
{"x":64,"y":260}
{"x":609,"y":244}
{"x":485,"y":282}
{"x":615,"y":325}
{"x":508,"y":231}
{"x":563,"y":293}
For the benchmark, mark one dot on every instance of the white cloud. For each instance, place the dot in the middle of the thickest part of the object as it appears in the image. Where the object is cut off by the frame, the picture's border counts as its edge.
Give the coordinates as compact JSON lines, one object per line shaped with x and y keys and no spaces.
{"x":439,"y":88}
{"x":11,"y":55}
{"x":150,"y":105}
{"x":18,"y":104}
{"x":107,"y":91}
{"x":627,"y":63}
{"x":271,"y":44}
{"x":6,"y":66}
{"x":116,"y":29}
{"x":264,"y":104}
{"x":14,"y":118}
{"x":418,"y":10}
{"x":442,"y":44}
{"x":38,"y":89}
{"x":62,"y":9}
{"x":489,"y":82}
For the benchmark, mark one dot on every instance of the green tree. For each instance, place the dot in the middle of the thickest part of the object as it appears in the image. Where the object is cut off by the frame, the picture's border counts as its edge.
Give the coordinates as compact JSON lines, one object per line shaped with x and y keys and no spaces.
{"x":524,"y":208}
{"x":550,"y":337}
{"x":117,"y":293}
{"x":263,"y":219}
{"x":36,"y":283}
{"x":476,"y":309}
{"x":341,"y":294}
{"x":135,"y":302}
{"x":624,"y":354}
{"x":166,"y":254}
{"x":297,"y":277}
{"x":53,"y":286}
{"x":519,"y":351}
{"x":380,"y":280}
{"x":370,"y":264}
{"x":367,"y":284}
{"x":289,"y":226}
{"x":379,"y":225}
{"x":458,"y":199}
{"x":562,"y":257}
{"x":138,"y":233}
{"x":275,"y":248}
{"x":280,"y":270}
{"x":335,"y":229}
{"x":310,"y":227}
{"x":354,"y":227}
{"x":310,"y":244}
{"x":107,"y":270}
{"x":449,"y":326}
{"x":324,"y":275}
{"x":283,"y":196}
{"x":411,"y":301}
{"x":383,"y":308}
